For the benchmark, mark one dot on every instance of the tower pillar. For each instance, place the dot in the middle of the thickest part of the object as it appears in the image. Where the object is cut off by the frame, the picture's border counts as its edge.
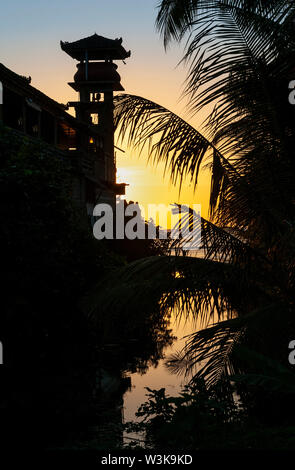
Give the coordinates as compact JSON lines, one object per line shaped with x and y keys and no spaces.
{"x":96,"y":80}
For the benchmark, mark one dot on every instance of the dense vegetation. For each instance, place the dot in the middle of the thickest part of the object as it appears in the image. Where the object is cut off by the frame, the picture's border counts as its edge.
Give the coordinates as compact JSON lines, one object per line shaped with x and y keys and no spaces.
{"x":55,"y":354}
{"x":48,"y":260}
{"x":240,"y":55}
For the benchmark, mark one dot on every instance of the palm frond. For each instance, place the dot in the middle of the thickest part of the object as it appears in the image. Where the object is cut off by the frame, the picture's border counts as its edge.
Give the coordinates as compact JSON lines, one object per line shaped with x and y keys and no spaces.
{"x":215,"y":352}
{"x":232,"y":43}
{"x":207,"y":353}
{"x":199,"y":289}
{"x":240,"y":54}
{"x":175,"y":17}
{"x":169,"y":139}
{"x":223,"y":244}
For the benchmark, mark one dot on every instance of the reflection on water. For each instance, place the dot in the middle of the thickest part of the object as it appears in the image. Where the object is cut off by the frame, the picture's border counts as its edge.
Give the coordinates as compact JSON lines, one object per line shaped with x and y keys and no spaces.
{"x":134,"y":364}
{"x":131,"y":366}
{"x":72,"y":402}
{"x":157,"y":376}
{"x":132,"y":354}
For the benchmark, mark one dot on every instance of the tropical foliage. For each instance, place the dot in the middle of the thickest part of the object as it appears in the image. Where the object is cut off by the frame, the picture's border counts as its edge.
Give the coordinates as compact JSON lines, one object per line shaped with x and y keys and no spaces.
{"x":49,"y":259}
{"x":202,"y":419}
{"x":240,"y":56}
{"x":56,"y":358}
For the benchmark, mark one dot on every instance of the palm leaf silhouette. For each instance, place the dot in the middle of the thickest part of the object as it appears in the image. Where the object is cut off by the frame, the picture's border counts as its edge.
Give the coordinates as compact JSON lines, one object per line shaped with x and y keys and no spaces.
{"x":240,"y":56}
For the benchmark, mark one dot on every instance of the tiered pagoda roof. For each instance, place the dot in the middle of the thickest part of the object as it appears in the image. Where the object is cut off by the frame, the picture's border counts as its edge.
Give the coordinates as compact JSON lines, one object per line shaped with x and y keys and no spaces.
{"x":97,"y":47}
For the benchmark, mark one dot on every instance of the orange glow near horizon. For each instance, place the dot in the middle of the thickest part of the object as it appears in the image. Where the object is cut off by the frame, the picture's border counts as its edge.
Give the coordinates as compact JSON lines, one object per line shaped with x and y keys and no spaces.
{"x":147,"y":185}
{"x":150,"y":72}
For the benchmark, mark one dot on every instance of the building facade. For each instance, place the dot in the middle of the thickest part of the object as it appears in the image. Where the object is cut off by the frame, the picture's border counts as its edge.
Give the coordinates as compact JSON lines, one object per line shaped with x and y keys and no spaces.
{"x":87,"y":139}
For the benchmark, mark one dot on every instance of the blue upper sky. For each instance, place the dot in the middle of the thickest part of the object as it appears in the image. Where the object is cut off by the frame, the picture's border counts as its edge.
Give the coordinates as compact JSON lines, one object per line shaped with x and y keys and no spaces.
{"x":30,"y":32}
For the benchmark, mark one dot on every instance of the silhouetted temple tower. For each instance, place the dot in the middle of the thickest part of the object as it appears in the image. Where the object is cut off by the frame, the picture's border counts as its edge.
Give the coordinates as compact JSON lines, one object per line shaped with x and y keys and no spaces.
{"x":96,"y":80}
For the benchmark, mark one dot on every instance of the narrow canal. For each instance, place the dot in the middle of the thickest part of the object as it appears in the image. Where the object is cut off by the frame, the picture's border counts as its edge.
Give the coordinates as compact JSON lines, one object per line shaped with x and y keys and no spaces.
{"x":157,"y":375}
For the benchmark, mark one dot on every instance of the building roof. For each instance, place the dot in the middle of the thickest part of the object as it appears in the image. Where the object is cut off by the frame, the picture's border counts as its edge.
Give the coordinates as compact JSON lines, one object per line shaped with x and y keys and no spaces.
{"x":97,"y":47}
{"x":21,"y":85}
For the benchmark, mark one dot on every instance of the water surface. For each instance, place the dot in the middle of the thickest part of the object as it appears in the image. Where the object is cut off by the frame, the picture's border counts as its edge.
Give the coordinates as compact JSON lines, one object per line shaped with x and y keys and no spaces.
{"x":157,"y":376}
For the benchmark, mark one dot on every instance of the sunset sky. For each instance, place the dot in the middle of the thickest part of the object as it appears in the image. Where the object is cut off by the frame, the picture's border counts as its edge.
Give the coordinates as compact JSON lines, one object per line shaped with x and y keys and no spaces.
{"x":30,"y":32}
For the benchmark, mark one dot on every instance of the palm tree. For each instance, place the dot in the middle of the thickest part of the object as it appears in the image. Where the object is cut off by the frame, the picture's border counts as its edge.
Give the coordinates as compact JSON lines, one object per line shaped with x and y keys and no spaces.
{"x":241,"y":57}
